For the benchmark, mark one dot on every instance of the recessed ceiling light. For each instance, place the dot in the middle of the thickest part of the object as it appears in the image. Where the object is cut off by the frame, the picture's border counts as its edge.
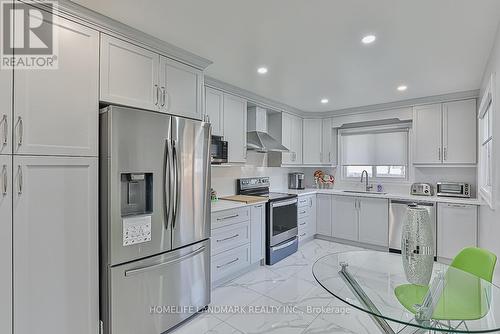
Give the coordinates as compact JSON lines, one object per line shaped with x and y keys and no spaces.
{"x":368,"y":39}
{"x":402,"y":88}
{"x":262,"y":70}
{"x":324,"y":101}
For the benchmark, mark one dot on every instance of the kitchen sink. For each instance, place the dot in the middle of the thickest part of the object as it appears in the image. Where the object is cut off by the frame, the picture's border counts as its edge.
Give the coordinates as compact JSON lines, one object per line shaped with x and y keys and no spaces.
{"x":363,"y":192}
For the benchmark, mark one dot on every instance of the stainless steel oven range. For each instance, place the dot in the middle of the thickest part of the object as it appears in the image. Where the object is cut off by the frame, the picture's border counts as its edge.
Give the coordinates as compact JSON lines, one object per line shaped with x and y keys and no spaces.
{"x":281,"y":218}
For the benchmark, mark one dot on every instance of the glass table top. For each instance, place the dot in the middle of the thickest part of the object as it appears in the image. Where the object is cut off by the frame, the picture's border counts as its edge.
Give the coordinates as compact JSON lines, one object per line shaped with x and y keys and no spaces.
{"x":375,"y":282}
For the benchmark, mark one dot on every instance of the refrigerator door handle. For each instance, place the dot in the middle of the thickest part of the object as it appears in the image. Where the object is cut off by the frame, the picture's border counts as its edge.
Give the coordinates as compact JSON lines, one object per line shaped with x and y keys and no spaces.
{"x":167,"y":184}
{"x":133,"y":272}
{"x":176,"y":190}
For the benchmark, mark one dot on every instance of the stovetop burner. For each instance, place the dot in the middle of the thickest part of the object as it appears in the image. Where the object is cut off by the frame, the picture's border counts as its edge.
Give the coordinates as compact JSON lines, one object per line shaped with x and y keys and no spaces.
{"x":259,"y":186}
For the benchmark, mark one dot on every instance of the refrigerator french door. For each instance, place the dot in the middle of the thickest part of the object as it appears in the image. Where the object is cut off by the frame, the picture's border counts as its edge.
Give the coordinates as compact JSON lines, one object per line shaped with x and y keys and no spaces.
{"x":154,"y":218}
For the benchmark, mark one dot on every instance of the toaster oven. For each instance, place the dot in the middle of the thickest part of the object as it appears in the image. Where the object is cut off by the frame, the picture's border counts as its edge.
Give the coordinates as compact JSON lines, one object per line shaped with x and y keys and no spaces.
{"x":453,"y":189}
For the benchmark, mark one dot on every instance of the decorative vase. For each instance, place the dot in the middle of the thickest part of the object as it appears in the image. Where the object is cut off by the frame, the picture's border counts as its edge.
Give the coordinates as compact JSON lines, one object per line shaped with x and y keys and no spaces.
{"x":417,"y":246}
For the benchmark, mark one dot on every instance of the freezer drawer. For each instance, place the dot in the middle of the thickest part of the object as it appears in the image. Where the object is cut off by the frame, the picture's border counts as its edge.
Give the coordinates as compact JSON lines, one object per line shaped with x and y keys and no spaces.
{"x":152,"y":295}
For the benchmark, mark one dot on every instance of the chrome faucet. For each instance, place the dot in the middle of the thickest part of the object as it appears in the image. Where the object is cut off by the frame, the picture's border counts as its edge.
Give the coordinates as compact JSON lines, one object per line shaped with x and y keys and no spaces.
{"x":367,"y":186}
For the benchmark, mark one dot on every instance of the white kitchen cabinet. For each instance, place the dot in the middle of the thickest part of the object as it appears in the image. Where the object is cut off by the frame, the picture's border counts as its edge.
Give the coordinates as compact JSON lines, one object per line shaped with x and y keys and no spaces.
{"x":181,"y":89}
{"x":306,"y":216}
{"x":56,"y":111}
{"x":214,"y":109}
{"x":345,"y":218}
{"x":6,"y":111}
{"x":55,"y":245}
{"x":312,"y":141}
{"x":291,"y":138}
{"x":373,"y":221}
{"x":427,"y":125}
{"x":257,"y":232}
{"x":459,"y":132}
{"x":6,"y":244}
{"x":328,"y":143}
{"x":445,"y":133}
{"x":129,"y":74}
{"x":456,"y":228}
{"x":235,"y":127}
{"x":324,"y":217}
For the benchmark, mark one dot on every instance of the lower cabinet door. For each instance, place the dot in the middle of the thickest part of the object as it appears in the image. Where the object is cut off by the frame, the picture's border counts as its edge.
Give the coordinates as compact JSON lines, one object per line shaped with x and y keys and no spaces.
{"x":257,"y":232}
{"x":6,"y":244}
{"x":374,"y":221}
{"x":345,"y":218}
{"x":55,"y":245}
{"x":456,"y":228}
{"x":324,"y":215}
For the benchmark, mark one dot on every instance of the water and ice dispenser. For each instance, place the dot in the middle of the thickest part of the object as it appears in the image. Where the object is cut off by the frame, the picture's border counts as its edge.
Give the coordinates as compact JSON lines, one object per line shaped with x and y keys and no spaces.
{"x":136,"y":207}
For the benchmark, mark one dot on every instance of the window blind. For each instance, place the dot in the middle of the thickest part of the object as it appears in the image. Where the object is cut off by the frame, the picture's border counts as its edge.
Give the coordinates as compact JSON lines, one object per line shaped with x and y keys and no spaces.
{"x":386,"y":148}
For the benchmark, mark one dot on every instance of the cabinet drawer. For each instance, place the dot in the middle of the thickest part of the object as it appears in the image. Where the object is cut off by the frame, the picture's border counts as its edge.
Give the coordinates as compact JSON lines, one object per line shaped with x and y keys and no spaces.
{"x":229,"y":217}
{"x":304,"y":201}
{"x":229,"y":262}
{"x":303,"y":224}
{"x":304,"y":212}
{"x":230,"y":236}
{"x":304,"y":234}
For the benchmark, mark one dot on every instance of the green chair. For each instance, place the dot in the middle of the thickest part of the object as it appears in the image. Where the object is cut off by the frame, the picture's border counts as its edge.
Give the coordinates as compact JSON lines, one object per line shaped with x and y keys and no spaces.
{"x":463,"y":297}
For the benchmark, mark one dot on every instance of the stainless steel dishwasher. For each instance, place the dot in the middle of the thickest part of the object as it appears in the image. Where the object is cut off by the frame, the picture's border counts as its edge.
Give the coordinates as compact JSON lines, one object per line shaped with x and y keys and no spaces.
{"x":397,"y":212}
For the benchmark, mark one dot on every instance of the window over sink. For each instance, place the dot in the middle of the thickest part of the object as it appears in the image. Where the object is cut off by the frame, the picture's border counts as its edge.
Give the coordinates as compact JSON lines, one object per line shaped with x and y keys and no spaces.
{"x":382,"y":151}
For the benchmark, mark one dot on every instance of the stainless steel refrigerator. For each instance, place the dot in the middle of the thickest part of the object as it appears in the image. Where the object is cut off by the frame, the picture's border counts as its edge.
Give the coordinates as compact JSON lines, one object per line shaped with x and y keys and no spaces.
{"x":154,"y":220}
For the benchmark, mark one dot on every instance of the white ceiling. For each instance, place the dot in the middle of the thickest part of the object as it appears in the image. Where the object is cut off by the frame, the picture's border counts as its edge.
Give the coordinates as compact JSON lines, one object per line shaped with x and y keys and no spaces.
{"x":313,"y":50}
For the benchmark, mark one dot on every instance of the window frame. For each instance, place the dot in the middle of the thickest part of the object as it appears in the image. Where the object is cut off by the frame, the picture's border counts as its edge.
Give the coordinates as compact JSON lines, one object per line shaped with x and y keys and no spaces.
{"x":403,"y":126}
{"x":487,"y":192}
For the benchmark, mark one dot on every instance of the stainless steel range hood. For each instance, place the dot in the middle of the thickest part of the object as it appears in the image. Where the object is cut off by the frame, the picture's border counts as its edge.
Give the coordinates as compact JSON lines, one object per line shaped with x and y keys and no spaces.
{"x":258,"y":139}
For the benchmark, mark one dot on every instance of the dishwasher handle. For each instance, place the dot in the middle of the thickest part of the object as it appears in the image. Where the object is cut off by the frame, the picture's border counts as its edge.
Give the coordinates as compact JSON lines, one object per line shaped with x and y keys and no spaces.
{"x":406,"y":202}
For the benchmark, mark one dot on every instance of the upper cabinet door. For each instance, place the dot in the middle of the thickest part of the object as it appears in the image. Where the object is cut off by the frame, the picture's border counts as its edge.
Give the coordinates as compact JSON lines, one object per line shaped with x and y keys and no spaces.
{"x":297,"y":135}
{"x":459,"y":132}
{"x":56,"y":111}
{"x":214,"y":109}
{"x":181,"y":89}
{"x":6,"y":244}
{"x":328,"y":149}
{"x":56,"y":264}
{"x":129,"y":74}
{"x":235,"y":127}
{"x":286,"y":138}
{"x":6,"y":111}
{"x":312,"y":144}
{"x":427,"y":124}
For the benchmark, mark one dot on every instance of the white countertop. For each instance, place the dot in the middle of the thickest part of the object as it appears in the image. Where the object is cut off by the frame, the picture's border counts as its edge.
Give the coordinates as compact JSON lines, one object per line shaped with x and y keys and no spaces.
{"x":309,"y":191}
{"x":222,"y":205}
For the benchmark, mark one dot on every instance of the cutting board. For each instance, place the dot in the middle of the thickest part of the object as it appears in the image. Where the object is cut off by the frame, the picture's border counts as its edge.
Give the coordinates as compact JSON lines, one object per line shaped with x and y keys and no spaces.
{"x":245,"y":199}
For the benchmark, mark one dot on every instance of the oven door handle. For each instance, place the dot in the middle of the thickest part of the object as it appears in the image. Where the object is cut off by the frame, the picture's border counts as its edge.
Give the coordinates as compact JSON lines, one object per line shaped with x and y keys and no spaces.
{"x":284,"y":203}
{"x":275,"y":248}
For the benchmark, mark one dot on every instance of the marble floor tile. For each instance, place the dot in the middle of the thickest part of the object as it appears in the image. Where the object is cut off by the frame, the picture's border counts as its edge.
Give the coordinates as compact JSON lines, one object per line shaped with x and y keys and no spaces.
{"x":227,"y":298}
{"x":222,"y":328}
{"x":200,"y":323}
{"x":291,"y":291}
{"x":283,"y":320}
{"x":260,"y":280}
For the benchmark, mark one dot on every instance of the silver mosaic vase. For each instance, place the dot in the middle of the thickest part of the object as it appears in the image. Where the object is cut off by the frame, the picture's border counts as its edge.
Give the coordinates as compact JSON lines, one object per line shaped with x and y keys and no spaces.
{"x":417,"y":246}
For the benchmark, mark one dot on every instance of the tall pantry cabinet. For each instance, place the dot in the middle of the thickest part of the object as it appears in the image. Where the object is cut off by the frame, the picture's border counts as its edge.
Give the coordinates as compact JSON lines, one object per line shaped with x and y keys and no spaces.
{"x":48,"y":195}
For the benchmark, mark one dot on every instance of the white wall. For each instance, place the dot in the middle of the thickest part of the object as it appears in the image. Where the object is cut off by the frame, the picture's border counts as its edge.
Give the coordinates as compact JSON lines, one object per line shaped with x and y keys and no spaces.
{"x":489,"y":220}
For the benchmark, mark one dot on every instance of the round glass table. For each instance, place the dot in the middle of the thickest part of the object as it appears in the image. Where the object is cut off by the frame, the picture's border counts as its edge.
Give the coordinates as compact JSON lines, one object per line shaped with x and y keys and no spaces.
{"x":375,"y":283}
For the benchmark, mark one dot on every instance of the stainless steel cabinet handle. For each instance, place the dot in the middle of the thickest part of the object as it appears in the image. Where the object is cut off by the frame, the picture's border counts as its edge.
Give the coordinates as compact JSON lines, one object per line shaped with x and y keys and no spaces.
{"x":20,"y":180}
{"x":329,"y":156}
{"x":5,"y":130}
{"x":439,"y":153}
{"x":228,"y":217}
{"x":457,"y":205}
{"x":445,"y":154}
{"x":228,"y":263}
{"x":5,"y":180}
{"x":228,"y":238}
{"x":303,"y":234}
{"x":157,"y":93}
{"x":159,"y":265}
{"x":302,"y":212}
{"x":162,"y":89}
{"x":20,"y":127}
{"x":302,"y":224}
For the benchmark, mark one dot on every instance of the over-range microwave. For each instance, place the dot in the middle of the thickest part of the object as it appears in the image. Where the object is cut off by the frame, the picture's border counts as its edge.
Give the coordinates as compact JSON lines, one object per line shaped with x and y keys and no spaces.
{"x":453,"y":189}
{"x":218,"y":150}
